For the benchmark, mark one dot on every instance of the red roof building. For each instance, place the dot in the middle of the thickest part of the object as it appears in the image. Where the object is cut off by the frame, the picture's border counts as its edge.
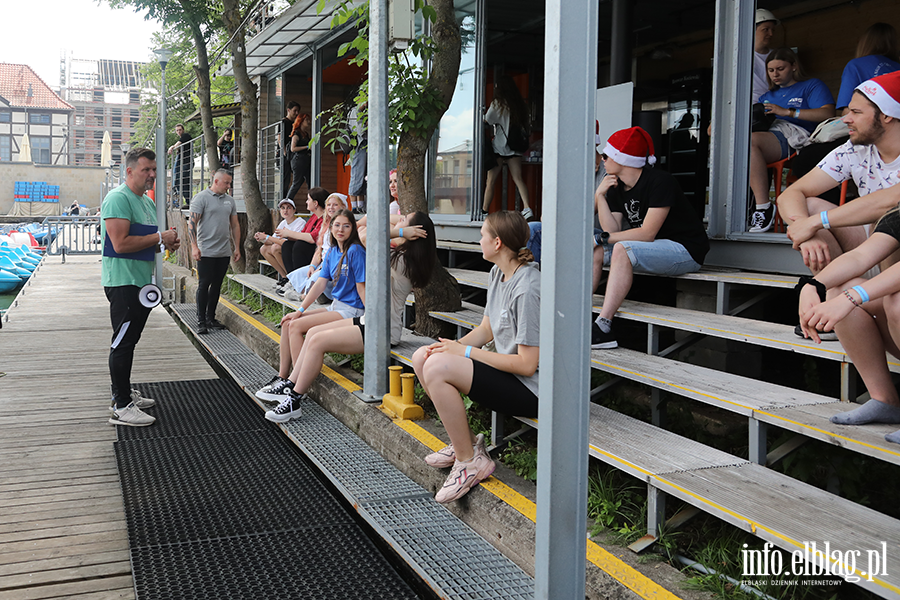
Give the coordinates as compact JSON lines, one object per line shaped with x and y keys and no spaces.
{"x":29,"y":106}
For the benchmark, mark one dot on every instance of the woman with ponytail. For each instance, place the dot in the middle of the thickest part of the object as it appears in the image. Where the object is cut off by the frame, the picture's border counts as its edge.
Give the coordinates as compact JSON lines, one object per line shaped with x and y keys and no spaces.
{"x":505,"y":381}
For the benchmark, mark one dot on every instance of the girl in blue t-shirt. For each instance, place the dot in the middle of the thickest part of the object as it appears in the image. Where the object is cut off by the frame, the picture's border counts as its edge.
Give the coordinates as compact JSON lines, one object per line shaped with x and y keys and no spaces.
{"x":793,"y":98}
{"x":345,"y":267}
{"x":876,"y":54}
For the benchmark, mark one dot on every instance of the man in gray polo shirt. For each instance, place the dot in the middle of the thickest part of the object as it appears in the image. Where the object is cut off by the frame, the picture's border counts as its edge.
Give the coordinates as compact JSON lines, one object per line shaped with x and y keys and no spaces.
{"x":213,"y":214}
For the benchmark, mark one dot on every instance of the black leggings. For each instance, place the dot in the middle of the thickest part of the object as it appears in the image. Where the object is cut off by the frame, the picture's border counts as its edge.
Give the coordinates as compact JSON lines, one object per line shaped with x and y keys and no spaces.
{"x":300,"y":167}
{"x":501,"y":391}
{"x":296,"y":254}
{"x":128,"y":318}
{"x":211,"y":273}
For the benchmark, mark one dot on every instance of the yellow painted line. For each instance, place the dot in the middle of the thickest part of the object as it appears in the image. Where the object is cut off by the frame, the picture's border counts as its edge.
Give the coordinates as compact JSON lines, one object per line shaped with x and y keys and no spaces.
{"x":339,"y":379}
{"x":828,"y":433}
{"x":250,"y":320}
{"x":629,"y":577}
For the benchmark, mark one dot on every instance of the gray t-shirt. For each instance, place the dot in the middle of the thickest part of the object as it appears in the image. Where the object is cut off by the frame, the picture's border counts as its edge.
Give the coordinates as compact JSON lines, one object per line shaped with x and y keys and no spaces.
{"x":214,"y":230}
{"x":514,"y":310}
{"x":401,"y":286}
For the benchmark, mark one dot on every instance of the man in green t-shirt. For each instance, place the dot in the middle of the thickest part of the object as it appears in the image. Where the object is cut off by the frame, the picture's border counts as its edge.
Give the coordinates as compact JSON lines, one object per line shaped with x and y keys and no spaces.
{"x":131,"y":239}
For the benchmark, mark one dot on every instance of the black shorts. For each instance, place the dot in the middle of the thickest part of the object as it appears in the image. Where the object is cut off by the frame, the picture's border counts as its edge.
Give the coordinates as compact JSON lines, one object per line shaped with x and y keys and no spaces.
{"x":501,"y":392}
{"x":362,"y":328}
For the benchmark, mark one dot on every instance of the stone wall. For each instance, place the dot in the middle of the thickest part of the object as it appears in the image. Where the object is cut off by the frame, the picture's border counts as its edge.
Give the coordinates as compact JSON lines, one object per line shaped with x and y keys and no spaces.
{"x":75,"y":183}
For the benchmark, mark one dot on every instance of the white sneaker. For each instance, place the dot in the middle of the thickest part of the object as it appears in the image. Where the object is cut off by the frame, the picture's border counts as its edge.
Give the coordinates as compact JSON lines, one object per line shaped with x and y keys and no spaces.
{"x":132,"y":416}
{"x":293,"y":296}
{"x":275,"y":390}
{"x":137,"y":399}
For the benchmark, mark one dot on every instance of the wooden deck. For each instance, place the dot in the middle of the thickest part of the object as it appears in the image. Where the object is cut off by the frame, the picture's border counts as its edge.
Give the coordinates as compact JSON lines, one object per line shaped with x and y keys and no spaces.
{"x":62,"y":522}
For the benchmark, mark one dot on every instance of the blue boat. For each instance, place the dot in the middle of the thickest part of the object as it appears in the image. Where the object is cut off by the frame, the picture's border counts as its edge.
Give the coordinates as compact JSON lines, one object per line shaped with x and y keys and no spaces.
{"x":7,"y":264}
{"x":8,"y":281}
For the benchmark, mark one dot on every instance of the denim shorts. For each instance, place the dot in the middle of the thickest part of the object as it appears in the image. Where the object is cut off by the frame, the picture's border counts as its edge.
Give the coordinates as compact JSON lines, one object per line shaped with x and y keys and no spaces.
{"x":659,"y":257}
{"x":345,"y":310}
{"x":785,"y":147}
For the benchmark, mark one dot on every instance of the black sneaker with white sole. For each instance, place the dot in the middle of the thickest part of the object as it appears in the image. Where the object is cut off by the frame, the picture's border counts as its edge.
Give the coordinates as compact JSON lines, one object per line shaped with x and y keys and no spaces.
{"x":762,"y":219}
{"x":275,"y":390}
{"x":288,"y":409}
{"x":601,"y":339}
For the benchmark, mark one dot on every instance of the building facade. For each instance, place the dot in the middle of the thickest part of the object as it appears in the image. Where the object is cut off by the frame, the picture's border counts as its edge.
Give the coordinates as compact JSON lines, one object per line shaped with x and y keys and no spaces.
{"x":106,"y":96}
{"x":29,"y":107}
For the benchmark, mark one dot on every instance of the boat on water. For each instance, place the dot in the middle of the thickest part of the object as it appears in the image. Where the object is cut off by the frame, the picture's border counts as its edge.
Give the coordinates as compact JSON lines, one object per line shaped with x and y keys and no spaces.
{"x":17,"y":263}
{"x":32,"y":235}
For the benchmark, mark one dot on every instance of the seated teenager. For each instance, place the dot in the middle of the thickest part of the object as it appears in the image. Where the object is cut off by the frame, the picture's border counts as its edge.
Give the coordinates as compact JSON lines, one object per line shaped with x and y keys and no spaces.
{"x":301,"y":246}
{"x":271,"y":244}
{"x":799,"y":105}
{"x":303,"y":277}
{"x":865,"y":313}
{"x":346,"y":269}
{"x":663,"y":235}
{"x":412,"y":262}
{"x":871,"y":158}
{"x":506,"y":380}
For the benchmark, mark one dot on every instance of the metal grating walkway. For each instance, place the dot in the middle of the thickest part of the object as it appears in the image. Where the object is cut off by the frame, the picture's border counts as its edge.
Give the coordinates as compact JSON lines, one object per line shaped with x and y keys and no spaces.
{"x":449,"y":556}
{"x":219,"y":504}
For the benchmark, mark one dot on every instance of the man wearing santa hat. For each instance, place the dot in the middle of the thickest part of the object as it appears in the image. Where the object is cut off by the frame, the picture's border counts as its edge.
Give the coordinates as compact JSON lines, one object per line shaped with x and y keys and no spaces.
{"x":648,"y":225}
{"x":871,"y":158}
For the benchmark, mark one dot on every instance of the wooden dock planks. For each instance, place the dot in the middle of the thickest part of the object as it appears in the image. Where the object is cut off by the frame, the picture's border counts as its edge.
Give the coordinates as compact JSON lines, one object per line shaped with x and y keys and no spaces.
{"x":62,"y":522}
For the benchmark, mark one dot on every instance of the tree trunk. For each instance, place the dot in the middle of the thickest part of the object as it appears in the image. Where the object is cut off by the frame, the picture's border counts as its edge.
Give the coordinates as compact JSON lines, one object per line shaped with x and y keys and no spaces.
{"x":201,"y":69}
{"x":442,"y":292}
{"x":257,"y":213}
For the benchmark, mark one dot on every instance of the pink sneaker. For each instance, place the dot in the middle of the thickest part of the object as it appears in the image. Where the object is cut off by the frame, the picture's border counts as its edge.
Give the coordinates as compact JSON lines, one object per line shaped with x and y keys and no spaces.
{"x":466,"y":475}
{"x":446,"y":456}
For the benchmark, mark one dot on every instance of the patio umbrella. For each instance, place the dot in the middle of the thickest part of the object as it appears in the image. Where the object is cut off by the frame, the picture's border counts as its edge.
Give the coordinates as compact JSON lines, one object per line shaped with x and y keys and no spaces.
{"x":25,"y":149}
{"x":106,"y":150}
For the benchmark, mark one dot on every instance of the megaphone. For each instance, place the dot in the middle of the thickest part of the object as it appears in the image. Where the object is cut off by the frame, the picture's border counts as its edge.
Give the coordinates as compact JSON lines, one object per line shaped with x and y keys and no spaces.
{"x":150,"y":295}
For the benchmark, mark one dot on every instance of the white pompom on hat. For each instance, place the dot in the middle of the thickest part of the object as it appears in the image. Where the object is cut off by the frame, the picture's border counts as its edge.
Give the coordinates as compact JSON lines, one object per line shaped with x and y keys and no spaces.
{"x":631,"y":147}
{"x":884,"y":92}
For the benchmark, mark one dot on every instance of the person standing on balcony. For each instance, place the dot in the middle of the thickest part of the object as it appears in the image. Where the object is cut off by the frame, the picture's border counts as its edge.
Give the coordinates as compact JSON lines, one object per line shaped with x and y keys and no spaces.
{"x":359,"y":162}
{"x":181,"y":169}
{"x":301,"y":156}
{"x":508,"y":114}
{"x":226,"y":148}
{"x":131,"y":239}
{"x":284,"y":145}
{"x":213,"y":214}
{"x":765,"y":29}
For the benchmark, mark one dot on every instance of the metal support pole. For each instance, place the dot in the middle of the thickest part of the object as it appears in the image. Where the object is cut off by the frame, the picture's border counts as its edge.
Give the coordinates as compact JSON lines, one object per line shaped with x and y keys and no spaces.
{"x":161,"y":196}
{"x":620,"y":46}
{"x":570,"y":73}
{"x":316,"y":163}
{"x":656,"y":510}
{"x":730,"y":150}
{"x":757,"y":441}
{"x":378,"y":276}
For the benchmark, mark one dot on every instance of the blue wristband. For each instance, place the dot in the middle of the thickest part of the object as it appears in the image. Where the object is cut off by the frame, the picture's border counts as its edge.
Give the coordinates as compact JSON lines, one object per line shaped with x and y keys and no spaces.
{"x":300,"y":310}
{"x":863,"y":296}
{"x":824,"y":216}
{"x":468,"y":351}
{"x":401,"y":232}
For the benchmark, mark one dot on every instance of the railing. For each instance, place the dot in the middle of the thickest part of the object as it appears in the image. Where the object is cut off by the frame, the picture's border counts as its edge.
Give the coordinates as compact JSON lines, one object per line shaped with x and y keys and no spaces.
{"x":185,"y":180}
{"x":265,"y":14}
{"x":270,"y":164}
{"x":72,"y":235}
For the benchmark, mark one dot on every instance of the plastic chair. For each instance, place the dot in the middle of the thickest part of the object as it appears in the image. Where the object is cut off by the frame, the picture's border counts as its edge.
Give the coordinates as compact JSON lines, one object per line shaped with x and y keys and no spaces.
{"x":779,"y":166}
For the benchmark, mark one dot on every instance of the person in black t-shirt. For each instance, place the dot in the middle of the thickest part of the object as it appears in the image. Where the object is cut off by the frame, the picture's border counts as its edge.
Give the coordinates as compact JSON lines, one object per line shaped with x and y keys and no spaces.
{"x":284,"y":145}
{"x":648,"y":225}
{"x":181,"y":169}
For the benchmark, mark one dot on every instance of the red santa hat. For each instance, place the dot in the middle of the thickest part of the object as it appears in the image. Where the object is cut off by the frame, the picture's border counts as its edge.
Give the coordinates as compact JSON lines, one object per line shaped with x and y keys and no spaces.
{"x":631,"y":147}
{"x":884,"y":92}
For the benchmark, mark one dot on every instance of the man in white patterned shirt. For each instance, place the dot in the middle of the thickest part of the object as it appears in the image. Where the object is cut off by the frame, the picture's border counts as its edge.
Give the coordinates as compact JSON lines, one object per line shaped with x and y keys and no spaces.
{"x":820,"y":230}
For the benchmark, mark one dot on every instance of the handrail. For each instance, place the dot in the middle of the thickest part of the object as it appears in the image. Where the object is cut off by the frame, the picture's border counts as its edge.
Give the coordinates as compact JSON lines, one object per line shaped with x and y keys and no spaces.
{"x":72,"y":234}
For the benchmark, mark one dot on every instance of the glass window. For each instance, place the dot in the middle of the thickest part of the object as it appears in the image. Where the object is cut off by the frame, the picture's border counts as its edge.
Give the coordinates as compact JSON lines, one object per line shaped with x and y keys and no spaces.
{"x":40,"y":150}
{"x":39,"y":119}
{"x":5,"y":148}
{"x":451,"y":192}
{"x":5,"y":116}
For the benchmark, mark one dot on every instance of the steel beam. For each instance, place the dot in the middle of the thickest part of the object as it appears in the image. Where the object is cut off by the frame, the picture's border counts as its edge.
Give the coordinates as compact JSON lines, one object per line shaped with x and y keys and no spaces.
{"x":378,"y":275}
{"x":570,"y":73}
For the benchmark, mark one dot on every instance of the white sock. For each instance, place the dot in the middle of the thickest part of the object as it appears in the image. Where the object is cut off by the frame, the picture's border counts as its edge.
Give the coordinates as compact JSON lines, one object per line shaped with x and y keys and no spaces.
{"x":763,"y":206}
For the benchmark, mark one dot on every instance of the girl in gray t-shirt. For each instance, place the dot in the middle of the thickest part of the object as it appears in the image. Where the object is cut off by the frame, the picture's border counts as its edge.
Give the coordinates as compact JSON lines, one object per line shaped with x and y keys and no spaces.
{"x":506,"y":380}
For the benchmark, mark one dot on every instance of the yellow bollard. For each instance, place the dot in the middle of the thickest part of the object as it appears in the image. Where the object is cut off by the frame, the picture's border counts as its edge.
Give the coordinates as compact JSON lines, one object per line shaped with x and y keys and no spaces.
{"x":402,"y":406}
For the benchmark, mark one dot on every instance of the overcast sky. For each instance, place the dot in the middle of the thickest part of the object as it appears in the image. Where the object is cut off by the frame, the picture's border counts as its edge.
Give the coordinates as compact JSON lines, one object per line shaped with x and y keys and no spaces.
{"x":36,"y":32}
